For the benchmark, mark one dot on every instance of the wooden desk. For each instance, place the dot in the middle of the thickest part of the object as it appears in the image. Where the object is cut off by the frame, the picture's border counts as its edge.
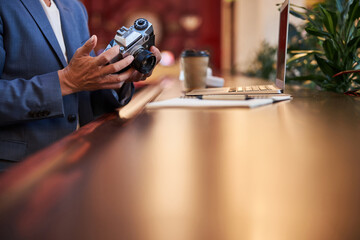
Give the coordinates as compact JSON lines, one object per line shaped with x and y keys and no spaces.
{"x":290,"y":170}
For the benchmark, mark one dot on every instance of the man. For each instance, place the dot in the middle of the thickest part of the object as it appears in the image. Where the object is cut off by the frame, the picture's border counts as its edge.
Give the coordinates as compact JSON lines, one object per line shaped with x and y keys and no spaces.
{"x":49,"y":83}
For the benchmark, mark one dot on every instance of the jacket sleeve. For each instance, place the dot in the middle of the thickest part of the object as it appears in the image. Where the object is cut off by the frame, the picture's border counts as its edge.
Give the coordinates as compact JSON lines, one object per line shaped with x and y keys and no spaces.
{"x":28,"y":99}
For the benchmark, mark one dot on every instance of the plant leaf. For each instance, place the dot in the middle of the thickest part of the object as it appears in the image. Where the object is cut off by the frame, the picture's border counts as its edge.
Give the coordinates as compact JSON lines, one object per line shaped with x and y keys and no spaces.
{"x":316,"y":32}
{"x":339,"y":5}
{"x":308,"y":14}
{"x":325,"y":66}
{"x":347,"y":9}
{"x":308,"y":77}
{"x":334,"y":18}
{"x":354,"y":13}
{"x":301,"y":7}
{"x":346,"y":72}
{"x":328,"y":21}
{"x":298,"y":14}
{"x":305,"y":51}
{"x":297,"y":57}
{"x":330,"y":50}
{"x":353,"y":44}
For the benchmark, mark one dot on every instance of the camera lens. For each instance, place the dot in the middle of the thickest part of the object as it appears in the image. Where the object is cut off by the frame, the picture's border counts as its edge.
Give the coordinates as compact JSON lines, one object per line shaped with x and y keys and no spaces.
{"x":144,"y":61}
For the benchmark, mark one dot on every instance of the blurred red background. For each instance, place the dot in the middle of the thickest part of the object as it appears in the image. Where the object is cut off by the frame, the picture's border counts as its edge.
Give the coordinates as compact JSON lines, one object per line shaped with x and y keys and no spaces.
{"x":178,"y":24}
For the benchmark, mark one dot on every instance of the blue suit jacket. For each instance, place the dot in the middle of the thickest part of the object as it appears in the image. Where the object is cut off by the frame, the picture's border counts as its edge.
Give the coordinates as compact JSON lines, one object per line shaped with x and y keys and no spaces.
{"x":33,"y":113}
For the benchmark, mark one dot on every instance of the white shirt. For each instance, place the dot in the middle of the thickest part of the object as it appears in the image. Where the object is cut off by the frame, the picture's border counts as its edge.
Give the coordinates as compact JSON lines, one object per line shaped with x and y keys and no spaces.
{"x":53,"y":15}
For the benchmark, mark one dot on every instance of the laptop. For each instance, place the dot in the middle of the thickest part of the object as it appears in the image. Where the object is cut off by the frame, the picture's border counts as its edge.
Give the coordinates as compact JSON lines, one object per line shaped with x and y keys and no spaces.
{"x":272,"y":89}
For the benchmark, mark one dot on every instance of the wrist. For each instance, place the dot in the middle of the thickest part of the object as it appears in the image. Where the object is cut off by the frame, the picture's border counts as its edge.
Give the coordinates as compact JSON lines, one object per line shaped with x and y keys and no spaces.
{"x":64,"y":83}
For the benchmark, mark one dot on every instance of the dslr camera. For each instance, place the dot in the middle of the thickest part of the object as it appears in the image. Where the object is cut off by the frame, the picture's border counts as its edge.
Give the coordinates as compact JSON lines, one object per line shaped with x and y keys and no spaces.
{"x":136,"y":40}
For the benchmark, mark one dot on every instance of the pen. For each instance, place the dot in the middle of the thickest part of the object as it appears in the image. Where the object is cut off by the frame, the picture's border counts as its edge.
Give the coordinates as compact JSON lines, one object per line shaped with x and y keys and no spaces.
{"x":222,"y":97}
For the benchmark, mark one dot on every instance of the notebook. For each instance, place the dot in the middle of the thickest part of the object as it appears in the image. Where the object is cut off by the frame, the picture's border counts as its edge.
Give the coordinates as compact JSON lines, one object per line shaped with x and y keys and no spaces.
{"x":253,"y":90}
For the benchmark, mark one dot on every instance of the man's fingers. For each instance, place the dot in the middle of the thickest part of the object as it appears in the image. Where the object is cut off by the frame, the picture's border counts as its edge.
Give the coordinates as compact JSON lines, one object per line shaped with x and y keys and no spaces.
{"x":136,"y":76}
{"x":115,"y":78}
{"x":88,"y":46}
{"x":117,"y":66}
{"x":112,"y":85}
{"x":108,"y":55}
{"x":157,"y":53}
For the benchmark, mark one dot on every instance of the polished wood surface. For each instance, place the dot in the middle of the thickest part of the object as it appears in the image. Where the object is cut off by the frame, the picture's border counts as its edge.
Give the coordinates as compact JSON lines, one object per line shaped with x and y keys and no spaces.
{"x":290,"y":170}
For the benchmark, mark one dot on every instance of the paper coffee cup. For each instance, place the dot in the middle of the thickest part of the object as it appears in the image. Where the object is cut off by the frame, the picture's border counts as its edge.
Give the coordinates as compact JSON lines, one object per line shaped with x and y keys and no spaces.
{"x":194,"y":64}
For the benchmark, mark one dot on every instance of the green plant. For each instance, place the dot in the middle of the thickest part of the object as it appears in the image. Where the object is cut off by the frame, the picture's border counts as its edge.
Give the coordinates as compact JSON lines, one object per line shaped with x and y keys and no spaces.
{"x":333,"y":28}
{"x":301,"y":64}
{"x":264,"y":63}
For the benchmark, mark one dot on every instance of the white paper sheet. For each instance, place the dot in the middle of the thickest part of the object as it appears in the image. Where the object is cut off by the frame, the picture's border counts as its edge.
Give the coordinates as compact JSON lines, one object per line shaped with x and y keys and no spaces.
{"x":197,"y":103}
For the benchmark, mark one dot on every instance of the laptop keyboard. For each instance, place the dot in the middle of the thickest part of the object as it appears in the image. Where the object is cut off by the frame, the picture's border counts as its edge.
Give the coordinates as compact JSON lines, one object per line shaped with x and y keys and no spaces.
{"x":255,"y":88}
{"x":245,"y":90}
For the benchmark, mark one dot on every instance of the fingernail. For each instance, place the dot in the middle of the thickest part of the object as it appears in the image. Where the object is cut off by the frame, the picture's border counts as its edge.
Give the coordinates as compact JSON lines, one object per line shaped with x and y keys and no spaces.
{"x":92,"y":39}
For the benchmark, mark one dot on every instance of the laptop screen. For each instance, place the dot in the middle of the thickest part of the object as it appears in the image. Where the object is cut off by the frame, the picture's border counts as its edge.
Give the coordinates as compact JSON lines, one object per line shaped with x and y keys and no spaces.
{"x":282,"y":46}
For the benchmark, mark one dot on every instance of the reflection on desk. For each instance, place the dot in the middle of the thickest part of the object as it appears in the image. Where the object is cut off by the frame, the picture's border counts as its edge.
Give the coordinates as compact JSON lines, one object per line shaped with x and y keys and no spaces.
{"x":284,"y":171}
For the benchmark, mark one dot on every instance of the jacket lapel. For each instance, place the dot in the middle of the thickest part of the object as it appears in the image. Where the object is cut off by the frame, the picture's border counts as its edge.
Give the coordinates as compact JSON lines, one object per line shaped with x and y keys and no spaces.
{"x":67,"y":25}
{"x":35,"y":9}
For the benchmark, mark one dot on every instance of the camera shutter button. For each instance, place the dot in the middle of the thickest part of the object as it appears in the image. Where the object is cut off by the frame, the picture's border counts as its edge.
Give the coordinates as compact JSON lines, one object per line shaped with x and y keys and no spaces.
{"x":141,"y":24}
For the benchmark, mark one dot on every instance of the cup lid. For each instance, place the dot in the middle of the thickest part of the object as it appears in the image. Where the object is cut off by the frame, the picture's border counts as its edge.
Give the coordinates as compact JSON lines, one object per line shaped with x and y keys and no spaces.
{"x":194,"y":53}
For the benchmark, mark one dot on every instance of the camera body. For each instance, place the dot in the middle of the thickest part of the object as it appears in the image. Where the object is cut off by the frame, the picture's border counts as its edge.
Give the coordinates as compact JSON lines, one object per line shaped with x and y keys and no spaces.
{"x":136,"y":40}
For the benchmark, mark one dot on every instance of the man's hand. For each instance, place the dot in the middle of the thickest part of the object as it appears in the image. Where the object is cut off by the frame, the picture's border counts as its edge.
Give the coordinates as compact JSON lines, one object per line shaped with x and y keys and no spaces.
{"x":86,"y":73}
